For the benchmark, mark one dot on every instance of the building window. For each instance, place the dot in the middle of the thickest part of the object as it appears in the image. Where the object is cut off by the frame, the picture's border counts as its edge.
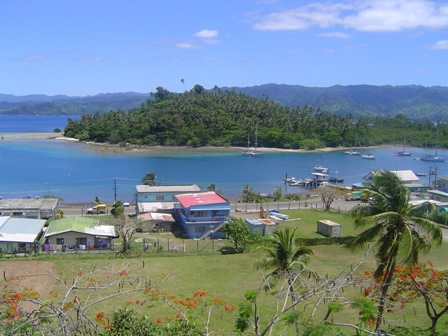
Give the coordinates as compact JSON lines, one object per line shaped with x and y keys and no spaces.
{"x":81,"y":241}
{"x":199,"y":213}
{"x":60,"y":241}
{"x":200,"y":229}
{"x":160,"y":198}
{"x":173,"y":198}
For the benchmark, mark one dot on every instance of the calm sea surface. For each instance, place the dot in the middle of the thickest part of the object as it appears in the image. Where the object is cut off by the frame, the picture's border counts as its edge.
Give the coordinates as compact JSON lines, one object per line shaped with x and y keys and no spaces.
{"x":37,"y":167}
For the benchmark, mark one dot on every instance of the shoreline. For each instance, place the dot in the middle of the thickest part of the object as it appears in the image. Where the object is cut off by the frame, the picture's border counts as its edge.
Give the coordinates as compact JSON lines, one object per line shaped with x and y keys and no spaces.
{"x":135,"y":149}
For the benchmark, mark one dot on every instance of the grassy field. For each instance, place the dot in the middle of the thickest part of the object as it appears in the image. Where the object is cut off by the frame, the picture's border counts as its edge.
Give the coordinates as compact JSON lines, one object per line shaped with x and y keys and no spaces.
{"x":229,"y":276}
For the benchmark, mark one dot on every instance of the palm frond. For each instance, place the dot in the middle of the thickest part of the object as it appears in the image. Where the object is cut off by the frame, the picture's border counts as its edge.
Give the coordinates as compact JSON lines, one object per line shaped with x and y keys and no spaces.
{"x":365,"y":237}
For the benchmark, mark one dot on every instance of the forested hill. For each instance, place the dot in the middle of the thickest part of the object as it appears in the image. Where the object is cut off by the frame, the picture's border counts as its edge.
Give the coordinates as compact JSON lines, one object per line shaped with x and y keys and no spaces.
{"x":414,"y":101}
{"x":227,"y":118}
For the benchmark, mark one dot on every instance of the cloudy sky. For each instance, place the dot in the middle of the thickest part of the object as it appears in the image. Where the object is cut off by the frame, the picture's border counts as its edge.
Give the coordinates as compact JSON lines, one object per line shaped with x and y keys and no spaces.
{"x":86,"y":47}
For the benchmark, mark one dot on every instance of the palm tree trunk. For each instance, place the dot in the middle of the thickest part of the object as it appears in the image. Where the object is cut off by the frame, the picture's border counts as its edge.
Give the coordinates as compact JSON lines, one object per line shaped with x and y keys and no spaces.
{"x":389,"y":275}
{"x":293,"y":299}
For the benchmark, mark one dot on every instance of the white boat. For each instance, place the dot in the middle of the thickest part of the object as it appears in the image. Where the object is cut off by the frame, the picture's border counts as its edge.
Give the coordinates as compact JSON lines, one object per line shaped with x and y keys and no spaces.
{"x":403,"y":152}
{"x":320,"y":169}
{"x":297,"y":183}
{"x":433,"y":157}
{"x":352,"y":152}
{"x":368,"y":156}
{"x":252,"y":152}
{"x":421,"y":174}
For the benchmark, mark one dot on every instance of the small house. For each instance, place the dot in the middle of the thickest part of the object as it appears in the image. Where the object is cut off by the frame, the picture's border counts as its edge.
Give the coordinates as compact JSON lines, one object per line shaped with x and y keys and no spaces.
{"x":19,"y":235}
{"x":70,"y":233}
{"x":36,"y":208}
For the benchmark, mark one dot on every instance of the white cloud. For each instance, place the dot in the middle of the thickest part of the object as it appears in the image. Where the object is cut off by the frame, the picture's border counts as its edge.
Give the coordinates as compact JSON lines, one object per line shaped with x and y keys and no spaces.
{"x":36,"y":57}
{"x":369,"y":15}
{"x":208,"y":36}
{"x":187,"y":45}
{"x":440,"y":45}
{"x":398,"y":15}
{"x":301,"y":18}
{"x":91,"y":59}
{"x":335,"y":35}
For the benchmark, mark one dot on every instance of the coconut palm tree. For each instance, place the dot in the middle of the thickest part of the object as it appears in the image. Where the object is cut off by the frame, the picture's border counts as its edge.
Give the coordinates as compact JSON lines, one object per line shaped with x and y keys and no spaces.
{"x":284,"y":260}
{"x":399,"y":230}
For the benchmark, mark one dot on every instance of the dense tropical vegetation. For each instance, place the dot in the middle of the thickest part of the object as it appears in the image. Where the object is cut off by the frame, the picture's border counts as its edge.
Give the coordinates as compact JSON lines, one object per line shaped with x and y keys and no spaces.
{"x":227,"y":118}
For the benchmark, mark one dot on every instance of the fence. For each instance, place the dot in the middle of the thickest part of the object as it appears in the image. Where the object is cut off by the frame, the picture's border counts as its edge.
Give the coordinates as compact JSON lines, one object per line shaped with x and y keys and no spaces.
{"x":175,"y":245}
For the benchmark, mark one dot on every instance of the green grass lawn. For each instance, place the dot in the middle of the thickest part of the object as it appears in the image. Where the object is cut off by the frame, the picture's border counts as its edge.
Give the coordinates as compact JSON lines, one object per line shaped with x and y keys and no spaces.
{"x":230,"y":276}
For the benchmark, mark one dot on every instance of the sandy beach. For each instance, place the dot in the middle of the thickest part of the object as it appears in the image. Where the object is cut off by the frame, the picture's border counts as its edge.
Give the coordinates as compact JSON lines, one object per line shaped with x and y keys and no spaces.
{"x":135,"y":149}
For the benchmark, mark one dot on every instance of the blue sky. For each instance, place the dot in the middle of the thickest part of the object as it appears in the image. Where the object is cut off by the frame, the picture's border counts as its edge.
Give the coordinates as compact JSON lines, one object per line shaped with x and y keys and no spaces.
{"x":81,"y":47}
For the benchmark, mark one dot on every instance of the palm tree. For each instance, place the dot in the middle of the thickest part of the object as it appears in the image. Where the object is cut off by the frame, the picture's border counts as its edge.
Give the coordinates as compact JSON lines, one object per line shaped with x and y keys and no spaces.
{"x":400,"y":231}
{"x":149,"y":179}
{"x":97,"y":201}
{"x":284,"y":260}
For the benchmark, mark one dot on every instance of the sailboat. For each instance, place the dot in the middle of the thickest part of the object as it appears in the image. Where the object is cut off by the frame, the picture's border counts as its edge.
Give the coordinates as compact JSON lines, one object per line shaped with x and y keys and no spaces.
{"x":433,"y":157}
{"x":351,"y":151}
{"x":403,"y":152}
{"x":252,"y":152}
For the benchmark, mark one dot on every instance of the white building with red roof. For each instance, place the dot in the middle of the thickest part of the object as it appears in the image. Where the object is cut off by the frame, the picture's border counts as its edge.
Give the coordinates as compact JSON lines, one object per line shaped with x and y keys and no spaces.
{"x":202,"y":215}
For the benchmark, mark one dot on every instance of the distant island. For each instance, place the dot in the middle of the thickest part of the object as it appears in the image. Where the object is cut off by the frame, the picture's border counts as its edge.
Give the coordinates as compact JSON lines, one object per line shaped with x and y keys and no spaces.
{"x":228,"y":118}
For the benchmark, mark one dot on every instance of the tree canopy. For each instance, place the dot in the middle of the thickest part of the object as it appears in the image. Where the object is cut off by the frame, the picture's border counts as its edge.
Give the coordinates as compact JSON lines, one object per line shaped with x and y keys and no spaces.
{"x":226,"y":118}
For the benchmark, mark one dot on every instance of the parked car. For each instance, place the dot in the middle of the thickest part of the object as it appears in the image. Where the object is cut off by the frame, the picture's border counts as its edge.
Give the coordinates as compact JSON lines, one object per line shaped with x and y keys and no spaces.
{"x":126,"y":204}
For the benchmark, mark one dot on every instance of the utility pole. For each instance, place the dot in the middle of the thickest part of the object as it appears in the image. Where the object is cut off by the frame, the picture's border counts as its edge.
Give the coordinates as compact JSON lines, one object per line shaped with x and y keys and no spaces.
{"x":115,"y":189}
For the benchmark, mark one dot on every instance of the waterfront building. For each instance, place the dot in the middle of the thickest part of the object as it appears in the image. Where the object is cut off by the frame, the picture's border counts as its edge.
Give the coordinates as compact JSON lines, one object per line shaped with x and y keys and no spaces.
{"x":160,"y":198}
{"x":202,"y":215}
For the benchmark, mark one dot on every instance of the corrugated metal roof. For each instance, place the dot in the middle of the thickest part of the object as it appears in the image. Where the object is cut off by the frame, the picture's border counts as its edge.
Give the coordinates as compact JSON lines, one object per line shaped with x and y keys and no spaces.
{"x":23,"y":230}
{"x":79,"y":224}
{"x":156,"y":216}
{"x":28,"y":204}
{"x":174,"y":189}
{"x":188,"y":200}
{"x":153,"y":206}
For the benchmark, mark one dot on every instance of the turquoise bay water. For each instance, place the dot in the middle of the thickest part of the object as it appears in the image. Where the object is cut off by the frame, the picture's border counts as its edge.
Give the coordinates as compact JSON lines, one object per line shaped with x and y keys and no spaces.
{"x":37,"y":167}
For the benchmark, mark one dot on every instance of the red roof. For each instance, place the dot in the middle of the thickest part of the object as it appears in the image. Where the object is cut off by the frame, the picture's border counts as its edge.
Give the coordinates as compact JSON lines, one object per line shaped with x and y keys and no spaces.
{"x":205,"y":198}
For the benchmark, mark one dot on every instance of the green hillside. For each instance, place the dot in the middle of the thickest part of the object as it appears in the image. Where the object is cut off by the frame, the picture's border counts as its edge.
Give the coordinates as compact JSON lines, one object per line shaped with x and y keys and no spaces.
{"x":228,"y":118}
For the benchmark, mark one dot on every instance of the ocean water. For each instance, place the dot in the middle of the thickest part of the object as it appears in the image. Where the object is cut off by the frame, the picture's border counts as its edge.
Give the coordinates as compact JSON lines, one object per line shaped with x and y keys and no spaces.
{"x":38,"y":167}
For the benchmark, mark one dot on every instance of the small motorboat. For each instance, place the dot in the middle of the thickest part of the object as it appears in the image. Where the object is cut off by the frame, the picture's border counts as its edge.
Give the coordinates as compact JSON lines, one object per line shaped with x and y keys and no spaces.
{"x":368,"y":156}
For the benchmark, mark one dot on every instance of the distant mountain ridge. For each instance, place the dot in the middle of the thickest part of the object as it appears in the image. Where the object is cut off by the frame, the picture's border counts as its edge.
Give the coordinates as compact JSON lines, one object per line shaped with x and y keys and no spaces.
{"x":414,"y":101}
{"x":40,"y":104}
